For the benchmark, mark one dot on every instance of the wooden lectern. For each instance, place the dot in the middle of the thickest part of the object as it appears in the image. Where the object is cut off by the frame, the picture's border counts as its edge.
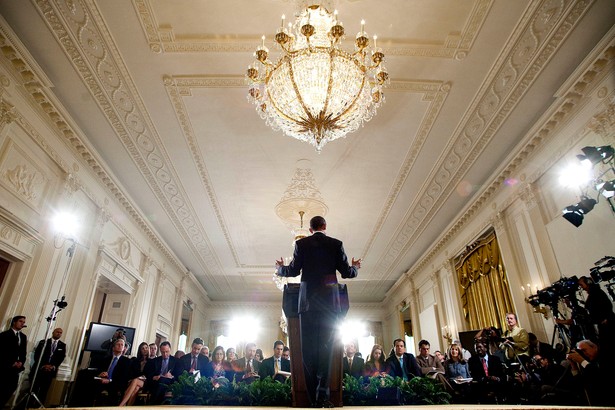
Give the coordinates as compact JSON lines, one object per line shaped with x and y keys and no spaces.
{"x":290,"y":304}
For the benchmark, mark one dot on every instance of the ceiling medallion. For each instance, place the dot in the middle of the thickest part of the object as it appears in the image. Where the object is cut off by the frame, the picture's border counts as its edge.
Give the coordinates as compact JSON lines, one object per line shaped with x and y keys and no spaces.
{"x":316,"y":92}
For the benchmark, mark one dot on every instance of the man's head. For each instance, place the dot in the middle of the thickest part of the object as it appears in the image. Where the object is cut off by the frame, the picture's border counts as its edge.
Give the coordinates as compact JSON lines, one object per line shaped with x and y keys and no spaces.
{"x":584,"y":283}
{"x":230,"y":354}
{"x":118,"y":346}
{"x":205,"y":351}
{"x":278,"y":348}
{"x":424,"y":348}
{"x":250,"y":351}
{"x":588,"y":349}
{"x":197,"y":344}
{"x":153,"y":350}
{"x":511,"y":320}
{"x":533,"y":339}
{"x":18,"y":322}
{"x":541,"y":361}
{"x":480,"y":348}
{"x":165,"y":350}
{"x":400,"y":347}
{"x":286,"y":353}
{"x":439,"y":355}
{"x":119,"y":333}
{"x":57,"y":333}
{"x":350,"y":348}
{"x":318,"y":223}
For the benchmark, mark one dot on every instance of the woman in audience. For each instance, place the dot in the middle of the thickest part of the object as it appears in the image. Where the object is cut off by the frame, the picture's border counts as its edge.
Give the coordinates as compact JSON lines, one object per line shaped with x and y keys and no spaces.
{"x":374,"y":366}
{"x":259,"y":355}
{"x":218,"y":367}
{"x":457,"y":372}
{"x":136,"y":375}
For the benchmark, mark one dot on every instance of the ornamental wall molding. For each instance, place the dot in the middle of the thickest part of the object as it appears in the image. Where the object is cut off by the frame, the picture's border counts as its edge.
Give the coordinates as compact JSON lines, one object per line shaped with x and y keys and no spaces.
{"x":539,"y":35}
{"x":163,"y":39}
{"x":38,"y":89}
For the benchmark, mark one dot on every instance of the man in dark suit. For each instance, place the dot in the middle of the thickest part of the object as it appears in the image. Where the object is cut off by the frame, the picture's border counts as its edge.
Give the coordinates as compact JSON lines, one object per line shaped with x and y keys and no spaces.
{"x":160,"y":372}
{"x":246,"y":369}
{"x":351,"y":363}
{"x":113,"y":376}
{"x":488,"y":374}
{"x":13,"y":345}
{"x":271,"y":366}
{"x":402,"y":364}
{"x":53,"y":353}
{"x":194,"y":360}
{"x":317,"y":257}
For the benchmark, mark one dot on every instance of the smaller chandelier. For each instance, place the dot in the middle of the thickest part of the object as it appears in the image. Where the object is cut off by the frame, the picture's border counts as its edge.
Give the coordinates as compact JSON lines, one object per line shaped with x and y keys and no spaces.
{"x":316,"y":92}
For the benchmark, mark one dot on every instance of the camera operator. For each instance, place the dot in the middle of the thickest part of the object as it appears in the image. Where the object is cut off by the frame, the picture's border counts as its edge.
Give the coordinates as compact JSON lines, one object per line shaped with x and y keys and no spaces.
{"x":516,"y":343}
{"x":600,"y":310}
{"x":593,"y":370}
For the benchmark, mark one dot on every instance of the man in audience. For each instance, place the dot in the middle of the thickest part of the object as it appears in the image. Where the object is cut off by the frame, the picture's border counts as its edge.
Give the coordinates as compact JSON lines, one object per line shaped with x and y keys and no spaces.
{"x":488,"y":372}
{"x":194,"y":360}
{"x":402,"y":364}
{"x":53,"y":353}
{"x":114,"y":373}
{"x":271,"y":366}
{"x":351,"y":363}
{"x":247,"y":367}
{"x":594,"y":370}
{"x":153,"y":351}
{"x":286,"y":353}
{"x":160,"y":372}
{"x":431,"y":366}
{"x":13,"y":345}
{"x":539,"y":348}
{"x":231,"y":356}
{"x":205,"y":351}
{"x":517,"y":340}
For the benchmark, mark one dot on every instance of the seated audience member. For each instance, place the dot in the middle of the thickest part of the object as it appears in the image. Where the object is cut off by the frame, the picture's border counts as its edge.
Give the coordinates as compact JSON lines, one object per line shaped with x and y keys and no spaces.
{"x":516,"y":342}
{"x":218,"y":367}
{"x":402,"y":364}
{"x":194,"y":360}
{"x":440,"y":357}
{"x":286,"y":353}
{"x":593,"y":370}
{"x":259,"y":355}
{"x":430,"y":365}
{"x":113,"y":376}
{"x":488,"y":374}
{"x":375,"y":364}
{"x":231,"y":356}
{"x":136,"y":375}
{"x":179,"y":354}
{"x":153,"y":350}
{"x":464,"y":352}
{"x":351,"y":363}
{"x":555,"y":382}
{"x":247,"y":367}
{"x":540,"y":348}
{"x":205,"y":351}
{"x":492,"y":337}
{"x":161,"y":372}
{"x":458,"y":372}
{"x":271,"y":366}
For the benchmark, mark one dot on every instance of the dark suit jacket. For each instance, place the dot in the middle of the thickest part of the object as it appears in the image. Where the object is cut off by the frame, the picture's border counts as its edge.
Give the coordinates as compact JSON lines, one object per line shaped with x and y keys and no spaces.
{"x":185,"y":363}
{"x":317,"y":257}
{"x":239,"y":367}
{"x":410,"y":363}
{"x":12,"y":351}
{"x":494,"y":366}
{"x":119,"y":378}
{"x":358,"y":366}
{"x":55,"y":360}
{"x":267,"y":367}
{"x":154,"y":366}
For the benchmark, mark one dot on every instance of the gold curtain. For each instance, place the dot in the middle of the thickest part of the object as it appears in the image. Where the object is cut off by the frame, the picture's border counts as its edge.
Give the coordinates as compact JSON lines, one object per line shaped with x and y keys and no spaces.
{"x":484,"y":288}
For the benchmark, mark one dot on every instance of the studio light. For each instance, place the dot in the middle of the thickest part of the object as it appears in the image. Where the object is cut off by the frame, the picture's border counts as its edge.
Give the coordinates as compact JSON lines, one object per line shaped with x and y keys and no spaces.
{"x":607,"y":189}
{"x":586,"y":204}
{"x":573,"y":215}
{"x":596,"y":154}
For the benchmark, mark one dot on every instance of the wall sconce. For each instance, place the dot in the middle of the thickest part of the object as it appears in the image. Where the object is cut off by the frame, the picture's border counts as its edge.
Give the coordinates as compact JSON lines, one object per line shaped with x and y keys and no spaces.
{"x":446,"y":334}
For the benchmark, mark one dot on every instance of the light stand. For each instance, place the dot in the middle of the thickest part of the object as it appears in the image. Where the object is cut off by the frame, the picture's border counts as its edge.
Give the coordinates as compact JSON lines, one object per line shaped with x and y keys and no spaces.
{"x":58,"y":305}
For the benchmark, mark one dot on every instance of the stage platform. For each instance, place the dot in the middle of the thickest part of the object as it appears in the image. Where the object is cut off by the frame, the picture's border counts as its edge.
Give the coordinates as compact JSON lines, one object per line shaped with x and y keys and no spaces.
{"x":445,"y":407}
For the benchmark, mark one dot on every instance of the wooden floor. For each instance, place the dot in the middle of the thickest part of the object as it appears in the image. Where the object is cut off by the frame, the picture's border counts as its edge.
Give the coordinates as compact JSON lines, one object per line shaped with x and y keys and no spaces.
{"x":446,"y":407}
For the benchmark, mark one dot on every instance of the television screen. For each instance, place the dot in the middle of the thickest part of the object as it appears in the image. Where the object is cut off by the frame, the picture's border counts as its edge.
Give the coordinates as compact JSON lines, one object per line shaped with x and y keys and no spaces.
{"x":99,"y":333}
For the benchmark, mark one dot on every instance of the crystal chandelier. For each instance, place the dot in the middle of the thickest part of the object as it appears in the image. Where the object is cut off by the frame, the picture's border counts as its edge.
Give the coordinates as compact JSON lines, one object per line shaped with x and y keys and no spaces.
{"x":300,"y":233}
{"x":317,"y":92}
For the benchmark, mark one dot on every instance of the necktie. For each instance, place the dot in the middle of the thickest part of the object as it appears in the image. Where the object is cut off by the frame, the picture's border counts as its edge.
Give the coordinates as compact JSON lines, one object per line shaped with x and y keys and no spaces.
{"x":54,"y":346}
{"x":403,"y":369}
{"x":193,"y":365}
{"x":350,"y":363}
{"x":18,"y":338}
{"x":277,"y":365}
{"x":165,"y":366}
{"x":485,"y":366}
{"x":111,"y":368}
{"x":249,"y":367}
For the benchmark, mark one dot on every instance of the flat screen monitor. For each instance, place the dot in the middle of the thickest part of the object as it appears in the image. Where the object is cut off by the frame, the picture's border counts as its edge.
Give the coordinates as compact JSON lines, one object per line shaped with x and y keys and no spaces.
{"x":98,"y":333}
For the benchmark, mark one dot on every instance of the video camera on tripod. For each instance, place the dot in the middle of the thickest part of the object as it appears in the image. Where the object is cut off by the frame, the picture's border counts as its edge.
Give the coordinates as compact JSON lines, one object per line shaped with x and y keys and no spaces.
{"x":604,"y":271}
{"x":565,"y":288}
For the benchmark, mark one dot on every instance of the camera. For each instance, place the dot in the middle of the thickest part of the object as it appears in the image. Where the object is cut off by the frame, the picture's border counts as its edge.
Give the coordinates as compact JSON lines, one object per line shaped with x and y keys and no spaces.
{"x":564,"y":288}
{"x":604,"y":270}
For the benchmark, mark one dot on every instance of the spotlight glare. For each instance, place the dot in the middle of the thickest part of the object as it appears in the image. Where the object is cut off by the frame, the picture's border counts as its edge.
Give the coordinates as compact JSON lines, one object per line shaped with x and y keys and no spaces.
{"x":576,"y":175}
{"x":65,"y":224}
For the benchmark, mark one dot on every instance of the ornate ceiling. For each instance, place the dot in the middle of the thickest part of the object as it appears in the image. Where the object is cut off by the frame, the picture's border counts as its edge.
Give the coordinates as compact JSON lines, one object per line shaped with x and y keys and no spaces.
{"x":158,"y":88}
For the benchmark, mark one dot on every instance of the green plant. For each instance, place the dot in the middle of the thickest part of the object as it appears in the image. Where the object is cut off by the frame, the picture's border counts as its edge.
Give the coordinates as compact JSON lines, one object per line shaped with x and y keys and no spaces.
{"x":423,"y":390}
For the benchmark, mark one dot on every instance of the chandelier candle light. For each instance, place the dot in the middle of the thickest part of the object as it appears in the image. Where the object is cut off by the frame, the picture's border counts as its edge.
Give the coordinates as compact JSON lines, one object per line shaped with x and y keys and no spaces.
{"x":316,"y":92}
